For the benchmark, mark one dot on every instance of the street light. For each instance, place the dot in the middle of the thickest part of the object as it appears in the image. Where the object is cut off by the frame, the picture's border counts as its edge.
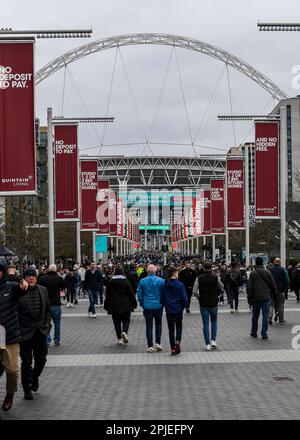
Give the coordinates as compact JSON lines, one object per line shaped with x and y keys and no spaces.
{"x":246,"y":117}
{"x":279,"y":27}
{"x":59,"y":120}
{"x":53,"y":33}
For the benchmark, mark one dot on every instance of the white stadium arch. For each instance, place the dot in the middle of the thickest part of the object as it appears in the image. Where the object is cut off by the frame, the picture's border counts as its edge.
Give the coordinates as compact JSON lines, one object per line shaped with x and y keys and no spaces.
{"x":166,"y":40}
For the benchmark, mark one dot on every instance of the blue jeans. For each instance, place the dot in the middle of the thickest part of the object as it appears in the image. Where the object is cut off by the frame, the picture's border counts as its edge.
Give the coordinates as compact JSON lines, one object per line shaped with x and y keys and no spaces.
{"x":264,"y":306}
{"x":149,"y":315}
{"x":93,"y":300}
{"x":100,"y":292}
{"x":174,"y":323}
{"x":56,"y":318}
{"x":212,"y":314}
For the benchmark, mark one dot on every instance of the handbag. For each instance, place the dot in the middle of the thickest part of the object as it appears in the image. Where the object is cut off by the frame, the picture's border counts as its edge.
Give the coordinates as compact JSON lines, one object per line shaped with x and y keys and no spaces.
{"x":62,"y":293}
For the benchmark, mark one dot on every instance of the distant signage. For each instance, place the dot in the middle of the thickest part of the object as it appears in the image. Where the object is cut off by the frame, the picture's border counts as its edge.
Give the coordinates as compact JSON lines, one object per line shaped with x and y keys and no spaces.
{"x":101,"y":244}
{"x":155,"y":228}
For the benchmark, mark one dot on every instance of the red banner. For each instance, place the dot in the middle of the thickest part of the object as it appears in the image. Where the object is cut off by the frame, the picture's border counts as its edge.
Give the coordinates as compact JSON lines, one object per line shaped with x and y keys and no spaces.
{"x":112,"y":213}
{"x":266,"y":169}
{"x":235,"y":193}
{"x":197,"y":215}
{"x":120,"y":218}
{"x":217,"y":206}
{"x":88,"y":179}
{"x":66,"y":172}
{"x":205,"y":212}
{"x":17,"y":124}
{"x":103,"y":206}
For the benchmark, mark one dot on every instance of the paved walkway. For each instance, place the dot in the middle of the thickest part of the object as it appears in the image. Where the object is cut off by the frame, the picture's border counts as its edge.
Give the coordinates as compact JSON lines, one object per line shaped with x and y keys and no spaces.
{"x":90,"y":377}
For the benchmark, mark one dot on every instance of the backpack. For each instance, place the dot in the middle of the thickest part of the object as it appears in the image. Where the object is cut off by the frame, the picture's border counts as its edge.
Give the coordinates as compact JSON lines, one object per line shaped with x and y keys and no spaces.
{"x":234,"y":277}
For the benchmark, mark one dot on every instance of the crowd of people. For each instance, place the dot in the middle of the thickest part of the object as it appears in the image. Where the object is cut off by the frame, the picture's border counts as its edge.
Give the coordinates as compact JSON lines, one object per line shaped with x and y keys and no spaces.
{"x":31,"y":300}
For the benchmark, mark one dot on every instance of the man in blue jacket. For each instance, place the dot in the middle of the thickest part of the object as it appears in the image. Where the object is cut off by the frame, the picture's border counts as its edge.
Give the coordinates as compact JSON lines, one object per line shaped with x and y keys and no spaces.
{"x":174,"y":299}
{"x":149,"y":293}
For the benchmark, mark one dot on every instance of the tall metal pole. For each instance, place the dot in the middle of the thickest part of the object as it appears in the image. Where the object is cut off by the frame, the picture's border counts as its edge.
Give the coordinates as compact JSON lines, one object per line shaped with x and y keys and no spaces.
{"x":78,"y":243}
{"x":247,"y":207}
{"x":283,"y":178}
{"x":213,"y":248}
{"x":50,"y":188}
{"x":94,"y":247}
{"x":146,"y":240}
{"x":226,"y":223}
{"x":204,"y":244}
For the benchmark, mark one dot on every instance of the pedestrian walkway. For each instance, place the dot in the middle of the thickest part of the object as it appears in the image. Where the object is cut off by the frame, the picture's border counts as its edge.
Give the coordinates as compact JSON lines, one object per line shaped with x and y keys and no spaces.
{"x":90,"y":377}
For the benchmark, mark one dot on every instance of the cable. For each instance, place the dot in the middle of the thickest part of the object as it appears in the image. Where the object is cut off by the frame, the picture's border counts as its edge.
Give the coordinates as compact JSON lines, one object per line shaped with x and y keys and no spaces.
{"x":211,"y":101}
{"x":153,"y":123}
{"x":183,"y":97}
{"x":63,"y":92}
{"x":135,"y":107}
{"x":83,"y":106}
{"x":262,"y":112}
{"x":109,"y":94}
{"x":231,"y":106}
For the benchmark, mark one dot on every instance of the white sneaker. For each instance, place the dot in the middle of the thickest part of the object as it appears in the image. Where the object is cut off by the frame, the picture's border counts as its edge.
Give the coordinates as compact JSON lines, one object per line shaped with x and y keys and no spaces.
{"x":96,"y":305}
{"x":208,"y":347}
{"x":94,"y":315}
{"x":124,"y":337}
{"x":158,"y":347}
{"x":213,"y":344}
{"x":150,"y":350}
{"x":120,"y":342}
{"x":68,"y":305}
{"x":71,"y":305}
{"x":90,"y":315}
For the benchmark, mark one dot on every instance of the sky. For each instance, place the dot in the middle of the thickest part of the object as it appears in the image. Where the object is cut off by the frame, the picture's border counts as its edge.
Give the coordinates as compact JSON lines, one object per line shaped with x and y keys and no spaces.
{"x":167,"y":97}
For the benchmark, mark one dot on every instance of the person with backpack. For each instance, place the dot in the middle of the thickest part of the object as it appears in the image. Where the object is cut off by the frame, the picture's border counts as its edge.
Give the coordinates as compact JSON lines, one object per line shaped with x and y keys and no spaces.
{"x":206,"y":289}
{"x":295,"y":282}
{"x":174,"y":299}
{"x":261,"y":288}
{"x":233,"y":281}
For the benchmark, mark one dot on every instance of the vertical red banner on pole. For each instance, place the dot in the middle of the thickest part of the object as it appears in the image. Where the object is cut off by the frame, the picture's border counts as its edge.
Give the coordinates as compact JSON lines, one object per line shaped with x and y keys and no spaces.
{"x":103,"y":206}
{"x":205,"y":212}
{"x":17,"y":124}
{"x":66,"y":172}
{"x":235,"y":194}
{"x":217,"y":206}
{"x":266,"y":169}
{"x":88,"y":192}
{"x":112,"y":213}
{"x":197,"y":215}
{"x":120,"y":218}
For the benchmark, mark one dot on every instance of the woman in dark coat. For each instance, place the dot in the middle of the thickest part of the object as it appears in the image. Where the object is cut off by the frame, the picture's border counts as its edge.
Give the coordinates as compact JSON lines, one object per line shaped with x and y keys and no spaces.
{"x":120,"y":301}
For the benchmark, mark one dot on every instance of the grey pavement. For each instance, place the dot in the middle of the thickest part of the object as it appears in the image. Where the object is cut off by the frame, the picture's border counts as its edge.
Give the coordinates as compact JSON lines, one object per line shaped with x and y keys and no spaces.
{"x":89,"y":377}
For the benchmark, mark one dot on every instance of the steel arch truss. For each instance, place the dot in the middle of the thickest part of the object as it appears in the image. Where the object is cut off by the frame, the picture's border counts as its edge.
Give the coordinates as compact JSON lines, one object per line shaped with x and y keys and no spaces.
{"x":165,"y":40}
{"x":160,"y":172}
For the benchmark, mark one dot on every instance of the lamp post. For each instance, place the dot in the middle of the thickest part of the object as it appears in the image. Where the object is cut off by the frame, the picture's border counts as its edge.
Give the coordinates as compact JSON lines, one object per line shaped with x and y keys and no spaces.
{"x":61,"y":121}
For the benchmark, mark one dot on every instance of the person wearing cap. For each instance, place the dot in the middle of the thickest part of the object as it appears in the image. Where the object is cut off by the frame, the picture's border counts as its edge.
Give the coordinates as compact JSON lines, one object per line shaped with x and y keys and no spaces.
{"x":261,"y":288}
{"x":54,"y":285}
{"x":35,"y":325}
{"x":9,"y":319}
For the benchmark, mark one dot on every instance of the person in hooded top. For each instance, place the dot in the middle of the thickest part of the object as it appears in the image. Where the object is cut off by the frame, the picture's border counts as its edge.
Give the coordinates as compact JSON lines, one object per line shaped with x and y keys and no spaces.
{"x":174,"y":299}
{"x":120,"y":301}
